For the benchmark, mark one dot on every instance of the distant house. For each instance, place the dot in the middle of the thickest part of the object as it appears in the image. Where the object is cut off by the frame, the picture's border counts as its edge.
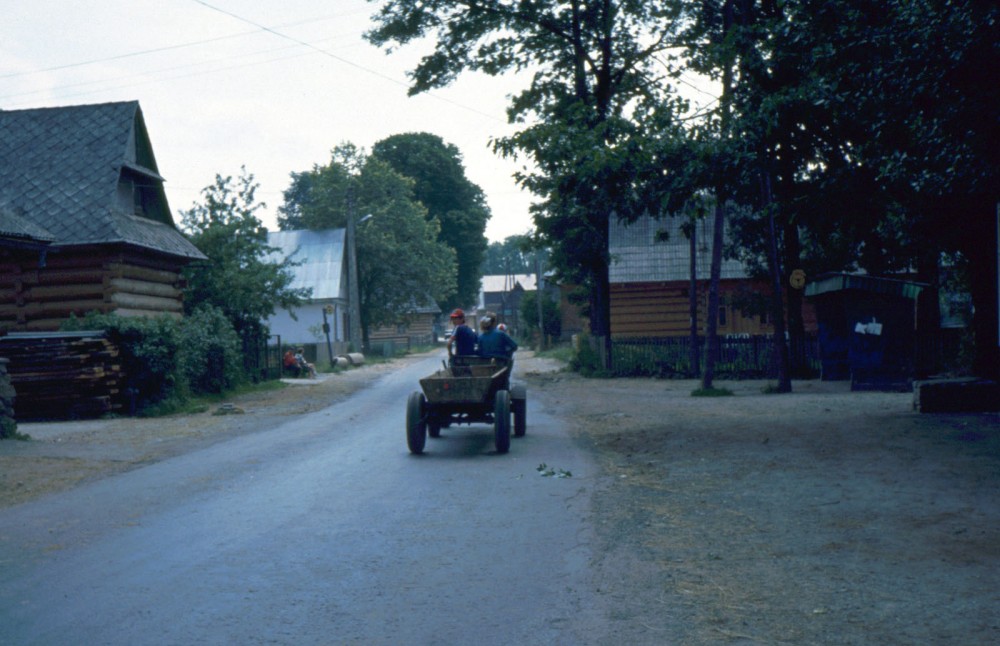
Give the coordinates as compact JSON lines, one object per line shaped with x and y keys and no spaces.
{"x":320,"y":259}
{"x":320,"y":266}
{"x":502,"y":294}
{"x":650,"y":282}
{"x":418,"y":328}
{"x":84,"y":221}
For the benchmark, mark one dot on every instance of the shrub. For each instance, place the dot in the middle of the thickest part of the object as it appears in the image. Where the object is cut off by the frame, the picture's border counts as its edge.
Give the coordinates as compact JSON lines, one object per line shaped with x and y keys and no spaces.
{"x":210,"y":352}
{"x":148,"y":347}
{"x":586,"y":360}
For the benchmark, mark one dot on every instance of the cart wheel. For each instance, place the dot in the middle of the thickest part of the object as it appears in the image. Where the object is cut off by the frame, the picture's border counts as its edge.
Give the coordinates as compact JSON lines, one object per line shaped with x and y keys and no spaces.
{"x":519,"y":407}
{"x":416,"y":425}
{"x":501,"y":421}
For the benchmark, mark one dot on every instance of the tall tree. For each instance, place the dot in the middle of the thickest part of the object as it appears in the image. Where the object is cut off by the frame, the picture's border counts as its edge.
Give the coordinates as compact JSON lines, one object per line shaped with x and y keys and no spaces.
{"x":401,"y":263}
{"x":440,"y":184}
{"x":512,"y":255}
{"x":594,"y":65}
{"x":238,"y":277}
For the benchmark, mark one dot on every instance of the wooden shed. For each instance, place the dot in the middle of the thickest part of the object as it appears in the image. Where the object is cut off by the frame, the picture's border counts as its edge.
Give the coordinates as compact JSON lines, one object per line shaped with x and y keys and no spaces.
{"x":867,"y":329}
{"x":84,"y":221}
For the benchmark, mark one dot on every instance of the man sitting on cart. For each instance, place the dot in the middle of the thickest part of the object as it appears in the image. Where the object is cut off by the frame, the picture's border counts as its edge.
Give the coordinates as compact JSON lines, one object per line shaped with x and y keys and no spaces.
{"x":463,"y":339}
{"x":495,"y":343}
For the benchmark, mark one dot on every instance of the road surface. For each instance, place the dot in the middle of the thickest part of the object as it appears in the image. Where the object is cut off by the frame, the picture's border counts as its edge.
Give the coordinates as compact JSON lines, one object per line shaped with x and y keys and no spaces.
{"x":323,"y":530}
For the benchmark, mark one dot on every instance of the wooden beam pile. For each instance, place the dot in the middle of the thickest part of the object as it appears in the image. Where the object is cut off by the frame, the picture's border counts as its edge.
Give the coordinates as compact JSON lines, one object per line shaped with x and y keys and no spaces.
{"x":63,"y":375}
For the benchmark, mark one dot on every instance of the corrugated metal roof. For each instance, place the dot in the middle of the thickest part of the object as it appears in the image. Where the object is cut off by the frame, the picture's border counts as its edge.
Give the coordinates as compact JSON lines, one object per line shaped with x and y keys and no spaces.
{"x":506,"y":282}
{"x":829,"y":283}
{"x":321,"y":254}
{"x":638,"y":255}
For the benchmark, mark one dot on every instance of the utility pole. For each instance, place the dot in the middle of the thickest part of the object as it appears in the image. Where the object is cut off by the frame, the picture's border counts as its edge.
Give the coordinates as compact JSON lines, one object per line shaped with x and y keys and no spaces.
{"x":354,"y":303}
{"x":539,"y":292}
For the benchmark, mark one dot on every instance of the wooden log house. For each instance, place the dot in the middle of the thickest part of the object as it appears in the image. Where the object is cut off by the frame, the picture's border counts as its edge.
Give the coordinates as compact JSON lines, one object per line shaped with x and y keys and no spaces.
{"x":84,"y":226}
{"x":84,"y":221}
{"x":650,"y":283}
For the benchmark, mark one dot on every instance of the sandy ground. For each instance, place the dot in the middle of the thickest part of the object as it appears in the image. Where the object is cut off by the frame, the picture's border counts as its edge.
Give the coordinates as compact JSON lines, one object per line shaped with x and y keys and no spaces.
{"x":817,"y":517}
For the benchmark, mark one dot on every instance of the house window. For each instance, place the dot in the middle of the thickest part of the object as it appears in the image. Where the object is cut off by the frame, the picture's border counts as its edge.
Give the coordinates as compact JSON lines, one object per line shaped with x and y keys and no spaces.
{"x":137,"y":200}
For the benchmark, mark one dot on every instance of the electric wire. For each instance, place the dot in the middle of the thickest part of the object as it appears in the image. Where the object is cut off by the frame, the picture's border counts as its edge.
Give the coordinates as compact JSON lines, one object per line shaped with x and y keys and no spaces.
{"x":342,"y":59}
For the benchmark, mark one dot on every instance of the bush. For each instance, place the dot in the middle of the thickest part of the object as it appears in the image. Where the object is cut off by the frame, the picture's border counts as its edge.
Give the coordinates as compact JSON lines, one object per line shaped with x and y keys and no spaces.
{"x":586,"y":360}
{"x":210,"y":352}
{"x":551,"y":316}
{"x":166,"y":359}
{"x":149,"y":348}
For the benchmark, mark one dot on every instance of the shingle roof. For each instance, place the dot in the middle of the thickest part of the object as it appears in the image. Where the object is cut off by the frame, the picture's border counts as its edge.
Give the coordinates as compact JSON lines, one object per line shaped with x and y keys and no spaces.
{"x":14,"y":226}
{"x":60,"y":169}
{"x":639,"y":256}
{"x":322,"y":256}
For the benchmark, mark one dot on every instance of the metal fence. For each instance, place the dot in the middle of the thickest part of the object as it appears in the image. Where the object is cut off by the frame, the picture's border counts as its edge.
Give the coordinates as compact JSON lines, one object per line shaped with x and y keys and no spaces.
{"x":740,"y":357}
{"x":261,"y":360}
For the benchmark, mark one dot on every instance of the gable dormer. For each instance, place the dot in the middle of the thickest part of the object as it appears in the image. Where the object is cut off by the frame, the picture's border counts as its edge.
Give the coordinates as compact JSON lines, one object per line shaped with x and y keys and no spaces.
{"x":140,"y":186}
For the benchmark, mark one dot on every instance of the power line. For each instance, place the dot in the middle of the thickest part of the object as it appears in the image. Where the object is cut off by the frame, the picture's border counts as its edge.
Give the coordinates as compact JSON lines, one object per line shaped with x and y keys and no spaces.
{"x":339,"y":58}
{"x":155,"y":50}
{"x":169,"y":69}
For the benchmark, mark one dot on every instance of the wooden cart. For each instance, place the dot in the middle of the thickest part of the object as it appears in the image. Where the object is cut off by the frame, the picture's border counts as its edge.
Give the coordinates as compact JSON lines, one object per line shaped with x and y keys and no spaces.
{"x":472,"y":391}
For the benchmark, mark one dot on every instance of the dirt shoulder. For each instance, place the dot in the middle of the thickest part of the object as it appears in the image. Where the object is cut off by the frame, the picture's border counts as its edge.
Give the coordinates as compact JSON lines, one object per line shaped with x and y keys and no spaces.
{"x":61,"y":455}
{"x":817,"y":517}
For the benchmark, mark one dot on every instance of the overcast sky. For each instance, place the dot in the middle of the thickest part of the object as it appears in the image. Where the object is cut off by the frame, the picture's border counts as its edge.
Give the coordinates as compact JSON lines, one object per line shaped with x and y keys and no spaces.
{"x":219,"y":91}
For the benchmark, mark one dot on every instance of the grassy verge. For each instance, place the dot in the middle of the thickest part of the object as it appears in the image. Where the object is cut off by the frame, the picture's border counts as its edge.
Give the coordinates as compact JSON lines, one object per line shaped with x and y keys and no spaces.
{"x":202,"y":403}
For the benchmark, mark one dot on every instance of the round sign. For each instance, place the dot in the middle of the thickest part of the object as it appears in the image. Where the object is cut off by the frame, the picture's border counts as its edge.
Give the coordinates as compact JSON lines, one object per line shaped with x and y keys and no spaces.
{"x":797,"y":279}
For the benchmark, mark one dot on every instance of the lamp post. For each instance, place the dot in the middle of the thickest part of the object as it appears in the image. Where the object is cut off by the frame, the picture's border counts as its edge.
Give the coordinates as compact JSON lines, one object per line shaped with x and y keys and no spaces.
{"x":354,"y":304}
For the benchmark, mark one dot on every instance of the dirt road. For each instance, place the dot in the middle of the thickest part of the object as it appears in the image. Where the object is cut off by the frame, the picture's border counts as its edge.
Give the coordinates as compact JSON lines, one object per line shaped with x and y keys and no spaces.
{"x":819,"y":517}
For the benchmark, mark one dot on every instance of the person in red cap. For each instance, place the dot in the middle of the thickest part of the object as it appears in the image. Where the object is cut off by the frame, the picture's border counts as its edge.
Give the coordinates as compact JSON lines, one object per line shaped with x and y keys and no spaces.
{"x":462,"y":339}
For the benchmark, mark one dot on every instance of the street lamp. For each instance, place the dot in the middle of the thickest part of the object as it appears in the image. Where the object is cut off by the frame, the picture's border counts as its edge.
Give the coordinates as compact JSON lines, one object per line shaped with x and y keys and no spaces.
{"x":354,"y":304}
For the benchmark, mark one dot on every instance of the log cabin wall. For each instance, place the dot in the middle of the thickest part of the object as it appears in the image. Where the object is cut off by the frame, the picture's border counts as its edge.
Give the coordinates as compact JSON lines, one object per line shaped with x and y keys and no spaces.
{"x":37,"y":296}
{"x":420,"y":329}
{"x":662,"y":310}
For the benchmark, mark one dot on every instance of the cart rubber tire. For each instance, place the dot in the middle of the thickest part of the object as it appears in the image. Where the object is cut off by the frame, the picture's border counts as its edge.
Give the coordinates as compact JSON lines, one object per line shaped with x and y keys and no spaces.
{"x":519,"y":408}
{"x":416,"y":426}
{"x":501,"y":421}
{"x":433,"y":425}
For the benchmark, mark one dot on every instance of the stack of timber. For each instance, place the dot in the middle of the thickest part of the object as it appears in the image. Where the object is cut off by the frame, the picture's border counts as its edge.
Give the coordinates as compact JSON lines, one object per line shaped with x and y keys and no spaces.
{"x":63,"y":375}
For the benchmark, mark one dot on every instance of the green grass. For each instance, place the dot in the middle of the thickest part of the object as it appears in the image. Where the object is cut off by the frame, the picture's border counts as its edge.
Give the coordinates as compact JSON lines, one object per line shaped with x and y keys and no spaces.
{"x":711,"y":392}
{"x":562,"y":352}
{"x":202,"y":403}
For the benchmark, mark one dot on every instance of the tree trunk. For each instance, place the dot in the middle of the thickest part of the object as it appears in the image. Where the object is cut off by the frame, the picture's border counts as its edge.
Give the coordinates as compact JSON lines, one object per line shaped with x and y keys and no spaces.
{"x":695,"y":367}
{"x":981,"y":247}
{"x":600,"y":312}
{"x":712,"y":316}
{"x":798,"y":357}
{"x":777,"y":302}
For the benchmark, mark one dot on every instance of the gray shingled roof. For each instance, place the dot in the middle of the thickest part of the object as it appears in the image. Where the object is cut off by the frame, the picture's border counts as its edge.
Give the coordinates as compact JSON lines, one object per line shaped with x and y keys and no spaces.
{"x":60,"y":169}
{"x":16,"y":227}
{"x":638,"y":256}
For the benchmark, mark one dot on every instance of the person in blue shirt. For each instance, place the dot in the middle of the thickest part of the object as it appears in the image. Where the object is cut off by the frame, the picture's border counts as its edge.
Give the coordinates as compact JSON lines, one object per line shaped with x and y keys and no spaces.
{"x":494,"y":343}
{"x":463,"y":339}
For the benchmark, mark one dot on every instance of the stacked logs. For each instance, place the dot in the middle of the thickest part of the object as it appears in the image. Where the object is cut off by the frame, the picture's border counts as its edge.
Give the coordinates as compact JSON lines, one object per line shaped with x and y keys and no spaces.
{"x":63,"y":375}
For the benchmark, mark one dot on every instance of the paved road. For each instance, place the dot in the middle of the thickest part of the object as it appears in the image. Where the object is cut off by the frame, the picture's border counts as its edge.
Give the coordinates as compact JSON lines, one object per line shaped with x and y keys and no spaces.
{"x":324,"y":530}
